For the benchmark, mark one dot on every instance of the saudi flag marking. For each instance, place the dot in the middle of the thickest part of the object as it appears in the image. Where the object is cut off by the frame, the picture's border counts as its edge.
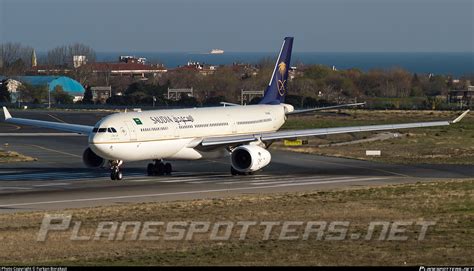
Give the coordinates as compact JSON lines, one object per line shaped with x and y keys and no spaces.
{"x":138,"y":121}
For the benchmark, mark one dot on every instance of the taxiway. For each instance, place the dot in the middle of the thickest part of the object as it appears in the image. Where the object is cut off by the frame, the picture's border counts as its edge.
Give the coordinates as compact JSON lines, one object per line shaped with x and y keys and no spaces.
{"x":59,"y":180}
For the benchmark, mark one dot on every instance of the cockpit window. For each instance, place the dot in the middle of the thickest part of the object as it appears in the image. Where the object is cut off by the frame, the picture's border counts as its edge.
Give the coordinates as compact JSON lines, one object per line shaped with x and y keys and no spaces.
{"x":104,"y":130}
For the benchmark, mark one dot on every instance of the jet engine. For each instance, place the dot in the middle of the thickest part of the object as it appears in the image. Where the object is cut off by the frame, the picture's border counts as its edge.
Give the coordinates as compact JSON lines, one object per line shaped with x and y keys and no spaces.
{"x":249,"y":158}
{"x":91,"y":159}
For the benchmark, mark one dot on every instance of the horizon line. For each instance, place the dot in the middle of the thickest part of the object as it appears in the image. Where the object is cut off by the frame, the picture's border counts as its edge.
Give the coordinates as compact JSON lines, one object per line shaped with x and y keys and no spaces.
{"x":271,"y":52}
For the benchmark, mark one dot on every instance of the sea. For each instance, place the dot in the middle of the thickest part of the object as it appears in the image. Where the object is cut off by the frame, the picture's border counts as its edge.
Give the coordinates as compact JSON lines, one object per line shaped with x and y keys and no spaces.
{"x":455,"y":64}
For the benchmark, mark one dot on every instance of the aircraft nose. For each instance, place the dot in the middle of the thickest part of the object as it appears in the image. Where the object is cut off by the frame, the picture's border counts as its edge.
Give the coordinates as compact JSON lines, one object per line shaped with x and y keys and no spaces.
{"x":99,"y":149}
{"x":95,"y":138}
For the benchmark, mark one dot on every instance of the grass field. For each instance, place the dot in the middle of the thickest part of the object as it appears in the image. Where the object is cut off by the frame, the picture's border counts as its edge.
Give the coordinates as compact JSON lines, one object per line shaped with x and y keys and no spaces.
{"x":438,"y":145}
{"x":11,"y":156}
{"x":449,"y":242}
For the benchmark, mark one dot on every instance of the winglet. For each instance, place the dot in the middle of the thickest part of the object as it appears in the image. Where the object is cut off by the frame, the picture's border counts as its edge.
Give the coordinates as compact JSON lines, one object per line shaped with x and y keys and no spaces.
{"x":6,"y":113}
{"x":230,"y":104}
{"x":458,"y":119}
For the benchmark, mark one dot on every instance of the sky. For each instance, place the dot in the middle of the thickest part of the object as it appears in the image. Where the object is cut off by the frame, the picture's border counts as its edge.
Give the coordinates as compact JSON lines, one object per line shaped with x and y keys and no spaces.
{"x":241,"y":25}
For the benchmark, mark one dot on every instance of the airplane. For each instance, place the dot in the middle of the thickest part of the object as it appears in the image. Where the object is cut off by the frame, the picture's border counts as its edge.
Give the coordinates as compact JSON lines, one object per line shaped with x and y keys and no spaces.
{"x":243,"y":132}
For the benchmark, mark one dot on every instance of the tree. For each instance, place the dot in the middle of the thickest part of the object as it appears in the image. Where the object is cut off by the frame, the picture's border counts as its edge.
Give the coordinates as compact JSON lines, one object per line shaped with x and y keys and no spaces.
{"x":371,"y":83}
{"x":436,"y":86}
{"x":294,"y":100}
{"x":5,"y":96}
{"x":187,"y":101}
{"x":255,"y":100}
{"x":310,"y":102}
{"x":134,"y":88}
{"x":34,"y":94}
{"x":416,"y":87}
{"x":60,"y":96}
{"x":317,"y":72}
{"x":14,"y":58}
{"x":116,"y":100}
{"x":304,"y":87}
{"x":88,"y":96}
{"x":18,"y":67}
{"x":213,"y":101}
{"x":63,"y":55}
{"x":401,"y":81}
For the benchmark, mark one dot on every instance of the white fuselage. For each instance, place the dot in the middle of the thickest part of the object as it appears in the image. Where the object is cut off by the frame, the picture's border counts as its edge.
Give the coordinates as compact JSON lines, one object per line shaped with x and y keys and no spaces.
{"x":173,"y":134}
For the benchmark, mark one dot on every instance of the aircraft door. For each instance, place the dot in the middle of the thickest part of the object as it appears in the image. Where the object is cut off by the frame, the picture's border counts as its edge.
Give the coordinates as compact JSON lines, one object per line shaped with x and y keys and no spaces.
{"x":131,"y":130}
{"x":232,"y":124}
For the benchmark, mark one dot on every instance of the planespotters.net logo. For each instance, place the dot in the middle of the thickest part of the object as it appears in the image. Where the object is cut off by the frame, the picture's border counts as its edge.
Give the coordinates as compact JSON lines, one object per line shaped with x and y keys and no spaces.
{"x":74,"y":230}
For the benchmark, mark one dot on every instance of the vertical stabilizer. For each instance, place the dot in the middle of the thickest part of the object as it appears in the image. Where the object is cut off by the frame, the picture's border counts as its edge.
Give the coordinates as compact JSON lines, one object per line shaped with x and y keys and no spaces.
{"x":277,"y":87}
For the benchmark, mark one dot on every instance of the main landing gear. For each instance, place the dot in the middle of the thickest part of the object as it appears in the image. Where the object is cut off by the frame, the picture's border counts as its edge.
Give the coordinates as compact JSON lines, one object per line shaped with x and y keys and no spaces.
{"x":234,"y":172}
{"x":159,"y":168}
{"x":115,"y":171}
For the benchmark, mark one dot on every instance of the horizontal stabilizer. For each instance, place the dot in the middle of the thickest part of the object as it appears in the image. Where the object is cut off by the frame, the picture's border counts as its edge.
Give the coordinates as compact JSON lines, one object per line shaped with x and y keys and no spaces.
{"x":295,"y":112}
{"x":458,"y":119}
{"x":67,"y":127}
{"x":6,"y":113}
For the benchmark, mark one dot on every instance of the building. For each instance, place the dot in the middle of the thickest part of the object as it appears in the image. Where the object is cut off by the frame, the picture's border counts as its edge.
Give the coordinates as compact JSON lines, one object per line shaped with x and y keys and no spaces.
{"x":78,"y":61}
{"x":69,"y":85}
{"x":46,"y":70}
{"x":132,"y":59}
{"x":114,"y":69}
{"x":245,"y":70}
{"x":100,"y":94}
{"x":126,"y":69}
{"x":175,"y":94}
{"x":464,"y":98}
{"x":246,"y":96}
{"x":34,"y":61}
{"x":200,"y":68}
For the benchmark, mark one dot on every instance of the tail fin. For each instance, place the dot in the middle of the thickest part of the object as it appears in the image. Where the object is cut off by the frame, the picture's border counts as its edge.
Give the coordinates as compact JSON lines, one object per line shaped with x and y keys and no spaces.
{"x":276,"y":90}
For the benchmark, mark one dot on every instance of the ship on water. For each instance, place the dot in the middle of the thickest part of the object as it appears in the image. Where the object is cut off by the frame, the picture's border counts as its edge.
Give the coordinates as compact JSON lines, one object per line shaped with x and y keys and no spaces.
{"x":217,"y":51}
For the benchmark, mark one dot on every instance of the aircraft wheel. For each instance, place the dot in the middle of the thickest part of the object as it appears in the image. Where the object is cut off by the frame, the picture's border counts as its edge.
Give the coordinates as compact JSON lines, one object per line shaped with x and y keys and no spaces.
{"x":115,"y":172}
{"x":118,"y":175}
{"x":233,"y":171}
{"x":168,"y":169}
{"x":150,"y":169}
{"x":159,"y":169}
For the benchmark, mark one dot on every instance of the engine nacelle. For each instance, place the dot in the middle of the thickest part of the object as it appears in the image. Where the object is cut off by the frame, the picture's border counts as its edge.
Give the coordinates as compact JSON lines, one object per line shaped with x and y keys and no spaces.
{"x":91,"y":159}
{"x":248,"y":158}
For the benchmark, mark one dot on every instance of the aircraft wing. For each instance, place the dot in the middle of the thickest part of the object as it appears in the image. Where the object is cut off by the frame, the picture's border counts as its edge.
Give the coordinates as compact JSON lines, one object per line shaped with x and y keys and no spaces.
{"x":302,"y":111}
{"x":237,"y":139}
{"x":74,"y":128}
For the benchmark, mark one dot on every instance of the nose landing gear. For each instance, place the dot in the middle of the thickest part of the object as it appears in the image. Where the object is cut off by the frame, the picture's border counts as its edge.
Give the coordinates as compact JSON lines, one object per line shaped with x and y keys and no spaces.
{"x":115,"y":171}
{"x":159,"y":168}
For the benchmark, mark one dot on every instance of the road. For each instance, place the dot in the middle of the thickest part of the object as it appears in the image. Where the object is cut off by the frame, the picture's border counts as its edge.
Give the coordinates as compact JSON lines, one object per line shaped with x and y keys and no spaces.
{"x":59,"y":180}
